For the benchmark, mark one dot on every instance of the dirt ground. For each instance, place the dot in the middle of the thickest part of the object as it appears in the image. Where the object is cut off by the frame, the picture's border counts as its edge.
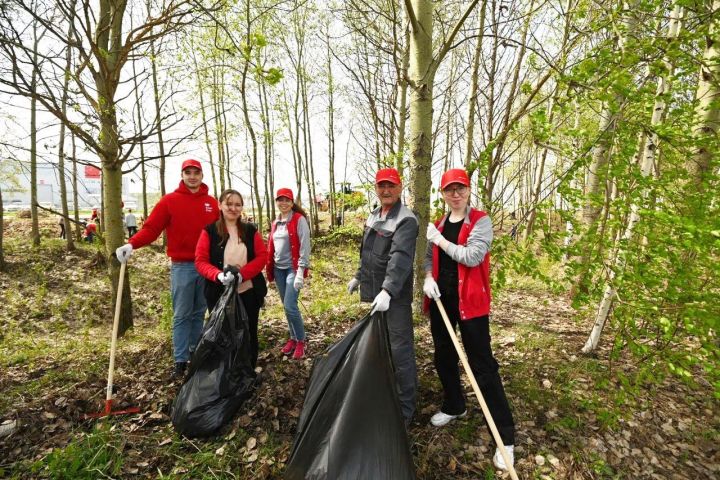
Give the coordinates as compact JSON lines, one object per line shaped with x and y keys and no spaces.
{"x":575,"y":419}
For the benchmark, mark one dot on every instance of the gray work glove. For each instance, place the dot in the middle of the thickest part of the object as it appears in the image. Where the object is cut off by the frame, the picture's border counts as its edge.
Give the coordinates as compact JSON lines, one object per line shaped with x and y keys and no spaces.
{"x":353,"y":285}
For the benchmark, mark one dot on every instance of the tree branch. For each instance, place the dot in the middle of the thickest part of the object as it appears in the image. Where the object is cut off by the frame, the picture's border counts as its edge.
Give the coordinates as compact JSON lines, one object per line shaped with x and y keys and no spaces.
{"x":411,"y":16}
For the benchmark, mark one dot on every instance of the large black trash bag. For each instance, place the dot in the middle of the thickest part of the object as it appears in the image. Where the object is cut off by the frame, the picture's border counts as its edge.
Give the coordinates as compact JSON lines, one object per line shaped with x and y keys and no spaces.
{"x":221,"y":376}
{"x":351,"y":425}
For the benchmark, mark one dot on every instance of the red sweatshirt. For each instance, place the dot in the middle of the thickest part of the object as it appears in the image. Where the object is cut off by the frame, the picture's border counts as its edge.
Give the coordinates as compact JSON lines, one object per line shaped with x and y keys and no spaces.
{"x":183,"y":215}
{"x":210,"y":271}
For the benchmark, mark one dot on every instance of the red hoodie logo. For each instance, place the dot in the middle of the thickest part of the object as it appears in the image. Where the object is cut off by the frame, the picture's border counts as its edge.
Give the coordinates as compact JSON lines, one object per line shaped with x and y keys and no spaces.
{"x":208,"y":208}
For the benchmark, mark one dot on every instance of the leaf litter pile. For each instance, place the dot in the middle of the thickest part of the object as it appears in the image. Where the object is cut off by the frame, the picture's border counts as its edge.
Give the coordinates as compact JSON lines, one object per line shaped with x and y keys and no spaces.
{"x":573,"y":419}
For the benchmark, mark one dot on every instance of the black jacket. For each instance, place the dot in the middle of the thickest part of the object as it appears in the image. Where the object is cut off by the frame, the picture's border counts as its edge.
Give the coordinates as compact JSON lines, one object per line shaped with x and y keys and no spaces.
{"x":214,"y":290}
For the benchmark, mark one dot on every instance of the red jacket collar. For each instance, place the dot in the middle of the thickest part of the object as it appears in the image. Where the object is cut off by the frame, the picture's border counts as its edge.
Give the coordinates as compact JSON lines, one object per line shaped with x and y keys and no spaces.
{"x":182,"y":188}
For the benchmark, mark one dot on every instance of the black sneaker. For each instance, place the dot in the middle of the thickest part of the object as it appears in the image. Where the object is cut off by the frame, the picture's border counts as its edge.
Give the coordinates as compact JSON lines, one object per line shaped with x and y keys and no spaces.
{"x":179,"y":371}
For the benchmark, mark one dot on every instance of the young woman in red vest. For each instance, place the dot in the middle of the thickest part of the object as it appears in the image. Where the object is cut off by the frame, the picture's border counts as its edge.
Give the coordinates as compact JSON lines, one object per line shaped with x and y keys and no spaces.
{"x":288,"y":264}
{"x":457,"y":269}
{"x":231,"y":247}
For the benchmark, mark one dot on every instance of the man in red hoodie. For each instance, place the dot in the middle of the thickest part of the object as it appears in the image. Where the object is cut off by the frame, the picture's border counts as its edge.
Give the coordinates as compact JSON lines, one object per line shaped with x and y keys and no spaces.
{"x":182,"y":214}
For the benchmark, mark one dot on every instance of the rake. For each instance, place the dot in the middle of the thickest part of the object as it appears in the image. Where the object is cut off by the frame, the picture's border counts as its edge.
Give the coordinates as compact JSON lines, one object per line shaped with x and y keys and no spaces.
{"x":108,"y":411}
{"x":476,"y":389}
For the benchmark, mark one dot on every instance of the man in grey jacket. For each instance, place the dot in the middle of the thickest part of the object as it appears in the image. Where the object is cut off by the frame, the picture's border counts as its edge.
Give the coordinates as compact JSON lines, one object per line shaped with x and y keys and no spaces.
{"x":385,"y":278}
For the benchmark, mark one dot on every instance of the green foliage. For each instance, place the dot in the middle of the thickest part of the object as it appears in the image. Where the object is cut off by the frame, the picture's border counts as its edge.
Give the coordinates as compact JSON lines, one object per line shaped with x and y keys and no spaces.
{"x":350,"y":201}
{"x":349,"y":232}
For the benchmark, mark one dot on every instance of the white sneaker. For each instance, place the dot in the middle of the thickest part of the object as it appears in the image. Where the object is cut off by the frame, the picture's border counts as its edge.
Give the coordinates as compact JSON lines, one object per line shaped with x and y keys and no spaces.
{"x":441,"y":418}
{"x":498,"y":460}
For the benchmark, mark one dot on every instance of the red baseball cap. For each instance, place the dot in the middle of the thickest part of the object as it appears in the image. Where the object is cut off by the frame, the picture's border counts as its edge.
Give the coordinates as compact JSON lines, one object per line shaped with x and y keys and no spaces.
{"x":388,"y":175}
{"x":191,"y":163}
{"x":454,"y":175}
{"x":285,"y":192}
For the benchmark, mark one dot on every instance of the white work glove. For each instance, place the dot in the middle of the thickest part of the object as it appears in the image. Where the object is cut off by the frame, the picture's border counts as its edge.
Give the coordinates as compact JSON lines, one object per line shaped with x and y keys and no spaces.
{"x":434,"y":235}
{"x":123,"y":253}
{"x":298,"y":282}
{"x":381,"y":302}
{"x":226,"y":278}
{"x":352,"y":285}
{"x":430,"y":288}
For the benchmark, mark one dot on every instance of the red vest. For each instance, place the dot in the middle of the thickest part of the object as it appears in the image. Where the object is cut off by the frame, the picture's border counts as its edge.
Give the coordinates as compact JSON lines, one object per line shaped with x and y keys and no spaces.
{"x":292,"y":227}
{"x":473,"y":282}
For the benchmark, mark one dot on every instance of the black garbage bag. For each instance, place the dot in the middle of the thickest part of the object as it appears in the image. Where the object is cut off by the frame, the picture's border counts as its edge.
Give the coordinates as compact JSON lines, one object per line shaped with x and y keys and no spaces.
{"x":220,"y":376}
{"x":351,"y":425}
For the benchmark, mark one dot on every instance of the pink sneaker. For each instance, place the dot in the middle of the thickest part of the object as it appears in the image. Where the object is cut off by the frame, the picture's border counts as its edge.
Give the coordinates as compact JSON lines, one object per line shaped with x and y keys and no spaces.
{"x":289,"y":347}
{"x":299,"y":350}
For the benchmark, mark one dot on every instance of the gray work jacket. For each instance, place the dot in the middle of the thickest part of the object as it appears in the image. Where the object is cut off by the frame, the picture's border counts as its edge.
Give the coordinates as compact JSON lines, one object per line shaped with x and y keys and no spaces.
{"x":387,"y":253}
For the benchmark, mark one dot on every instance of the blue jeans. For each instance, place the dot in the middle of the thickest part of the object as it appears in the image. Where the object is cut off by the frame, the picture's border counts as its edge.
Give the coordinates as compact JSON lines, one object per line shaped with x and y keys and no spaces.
{"x":284,"y":278}
{"x":188,"y":300}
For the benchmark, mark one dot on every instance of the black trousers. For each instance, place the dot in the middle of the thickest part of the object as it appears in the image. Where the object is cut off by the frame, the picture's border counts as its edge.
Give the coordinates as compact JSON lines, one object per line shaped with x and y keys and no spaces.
{"x":131,"y":231}
{"x":252,"y":307}
{"x":475,"y":335}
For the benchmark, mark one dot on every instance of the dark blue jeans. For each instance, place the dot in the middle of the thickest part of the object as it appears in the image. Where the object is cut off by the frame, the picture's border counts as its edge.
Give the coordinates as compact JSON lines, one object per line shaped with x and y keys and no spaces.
{"x":189,"y":307}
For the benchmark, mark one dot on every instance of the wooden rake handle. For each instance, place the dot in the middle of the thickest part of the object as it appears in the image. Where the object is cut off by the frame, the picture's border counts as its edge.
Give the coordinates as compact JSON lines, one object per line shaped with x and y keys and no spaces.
{"x":476,"y":389}
{"x":116,"y":324}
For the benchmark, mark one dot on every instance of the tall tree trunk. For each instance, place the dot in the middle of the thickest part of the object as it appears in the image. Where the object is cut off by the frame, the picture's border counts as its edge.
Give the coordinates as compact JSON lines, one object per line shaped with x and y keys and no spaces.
{"x":158,"y":114}
{"x":109,"y":40}
{"x":268,"y":148}
{"x":707,"y":111}
{"x":403,"y":109}
{"x":487,"y":182}
{"x":218,"y":129}
{"x":472,"y":101}
{"x":307,"y":137}
{"x":423,"y":66}
{"x":203,"y":114}
{"x":2,"y":229}
{"x":69,"y":245}
{"x":331,"y":135}
{"x":76,"y":205}
{"x":226,"y":141}
{"x":421,"y":120}
{"x":143,"y":171}
{"x":33,"y":143}
{"x":296,"y":142}
{"x":248,"y":125}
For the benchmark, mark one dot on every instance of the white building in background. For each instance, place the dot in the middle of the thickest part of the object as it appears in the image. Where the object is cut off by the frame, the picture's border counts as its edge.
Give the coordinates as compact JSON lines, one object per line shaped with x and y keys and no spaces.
{"x":48,"y":179}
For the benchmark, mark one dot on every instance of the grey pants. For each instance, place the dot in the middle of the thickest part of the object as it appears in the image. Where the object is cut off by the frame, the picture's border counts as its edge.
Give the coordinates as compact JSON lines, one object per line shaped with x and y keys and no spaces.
{"x":402,"y":346}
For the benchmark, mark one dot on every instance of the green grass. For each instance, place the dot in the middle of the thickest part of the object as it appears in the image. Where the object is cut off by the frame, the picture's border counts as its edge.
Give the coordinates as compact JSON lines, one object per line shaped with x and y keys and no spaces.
{"x":92,"y":455}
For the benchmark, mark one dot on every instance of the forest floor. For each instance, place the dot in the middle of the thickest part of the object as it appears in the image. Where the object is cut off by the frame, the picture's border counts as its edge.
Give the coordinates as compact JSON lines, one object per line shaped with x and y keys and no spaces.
{"x":574,"y":420}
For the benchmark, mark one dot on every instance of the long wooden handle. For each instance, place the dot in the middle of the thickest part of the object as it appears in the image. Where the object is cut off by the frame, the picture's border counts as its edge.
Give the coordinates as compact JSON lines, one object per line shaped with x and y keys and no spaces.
{"x":476,"y":388}
{"x":116,"y":323}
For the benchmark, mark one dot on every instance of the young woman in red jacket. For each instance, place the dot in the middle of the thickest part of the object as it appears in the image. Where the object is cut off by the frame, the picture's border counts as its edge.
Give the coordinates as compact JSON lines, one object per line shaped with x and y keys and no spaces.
{"x":231,"y":242}
{"x":457,"y":269}
{"x":288,"y":264}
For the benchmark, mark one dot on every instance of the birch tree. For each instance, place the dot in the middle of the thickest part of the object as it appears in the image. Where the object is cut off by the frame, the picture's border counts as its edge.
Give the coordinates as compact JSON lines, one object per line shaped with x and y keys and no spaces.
{"x":423,"y":66}
{"x":648,"y":146}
